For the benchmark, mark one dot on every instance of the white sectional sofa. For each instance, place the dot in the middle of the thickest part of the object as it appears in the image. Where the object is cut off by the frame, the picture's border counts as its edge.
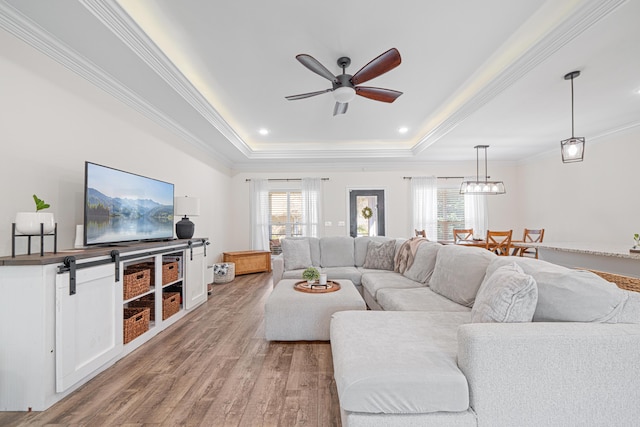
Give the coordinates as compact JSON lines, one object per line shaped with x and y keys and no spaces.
{"x":341,"y":257}
{"x":465,"y":338}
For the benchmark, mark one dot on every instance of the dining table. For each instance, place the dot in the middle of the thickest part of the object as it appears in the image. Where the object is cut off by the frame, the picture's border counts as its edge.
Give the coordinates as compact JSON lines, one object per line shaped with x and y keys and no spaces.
{"x":473,"y":243}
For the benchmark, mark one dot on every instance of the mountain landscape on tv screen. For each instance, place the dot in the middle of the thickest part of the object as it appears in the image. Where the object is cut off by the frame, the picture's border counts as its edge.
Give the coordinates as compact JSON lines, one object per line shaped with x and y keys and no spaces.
{"x":101,"y":208}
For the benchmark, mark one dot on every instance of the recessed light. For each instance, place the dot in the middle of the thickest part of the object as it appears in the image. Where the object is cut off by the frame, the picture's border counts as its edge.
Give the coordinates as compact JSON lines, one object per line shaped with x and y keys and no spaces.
{"x":263,"y":131}
{"x":403,"y":129}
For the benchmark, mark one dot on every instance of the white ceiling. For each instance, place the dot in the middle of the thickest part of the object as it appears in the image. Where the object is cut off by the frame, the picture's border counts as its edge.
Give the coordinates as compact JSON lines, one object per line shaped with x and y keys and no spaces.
{"x":490,"y":72}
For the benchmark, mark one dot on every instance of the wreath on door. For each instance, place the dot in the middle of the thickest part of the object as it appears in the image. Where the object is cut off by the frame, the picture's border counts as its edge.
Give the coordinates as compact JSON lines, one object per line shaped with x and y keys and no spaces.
{"x":367,"y":212}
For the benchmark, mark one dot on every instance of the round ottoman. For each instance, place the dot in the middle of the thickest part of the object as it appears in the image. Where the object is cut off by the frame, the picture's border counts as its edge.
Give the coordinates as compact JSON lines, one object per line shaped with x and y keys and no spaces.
{"x":224,"y":272}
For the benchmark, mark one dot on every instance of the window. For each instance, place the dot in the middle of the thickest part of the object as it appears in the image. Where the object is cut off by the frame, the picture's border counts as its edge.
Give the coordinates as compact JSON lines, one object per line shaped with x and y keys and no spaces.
{"x":450,"y":212}
{"x":285,"y":216}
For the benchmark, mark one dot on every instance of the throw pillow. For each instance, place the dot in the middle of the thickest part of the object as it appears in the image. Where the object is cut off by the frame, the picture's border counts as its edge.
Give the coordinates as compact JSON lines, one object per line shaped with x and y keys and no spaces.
{"x":296,"y":253}
{"x":507,"y":296}
{"x":423,"y":263}
{"x":380,"y":255}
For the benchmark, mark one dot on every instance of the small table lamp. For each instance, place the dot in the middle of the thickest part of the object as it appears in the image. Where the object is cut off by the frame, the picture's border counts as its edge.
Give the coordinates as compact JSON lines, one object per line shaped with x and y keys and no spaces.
{"x":186,"y":206}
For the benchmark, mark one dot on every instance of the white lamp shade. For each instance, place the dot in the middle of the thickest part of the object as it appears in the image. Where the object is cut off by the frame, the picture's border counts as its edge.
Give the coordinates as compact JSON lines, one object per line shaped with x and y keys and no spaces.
{"x":187,"y":206}
{"x":344,"y":94}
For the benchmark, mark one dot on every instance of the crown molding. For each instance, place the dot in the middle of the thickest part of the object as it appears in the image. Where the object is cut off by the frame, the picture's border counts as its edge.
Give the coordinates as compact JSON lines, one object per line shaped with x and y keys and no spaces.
{"x":23,"y":28}
{"x":318,"y":155}
{"x":114,"y":18}
{"x":582,"y":18}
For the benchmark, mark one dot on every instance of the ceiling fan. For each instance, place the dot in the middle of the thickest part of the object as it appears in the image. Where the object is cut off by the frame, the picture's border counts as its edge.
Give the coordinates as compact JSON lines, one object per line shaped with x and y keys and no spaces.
{"x":345,"y":86}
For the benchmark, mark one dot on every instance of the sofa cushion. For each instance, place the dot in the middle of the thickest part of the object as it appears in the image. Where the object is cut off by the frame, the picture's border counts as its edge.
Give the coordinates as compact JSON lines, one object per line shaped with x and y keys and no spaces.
{"x":507,"y":295}
{"x":395,"y":362}
{"x":361,"y":245}
{"x":459,"y":272}
{"x":568,"y":295}
{"x":373,"y":282}
{"x":296,"y":253}
{"x":336,"y":273}
{"x":416,"y":299}
{"x":630,"y":313}
{"x":380,"y":255}
{"x":423,"y":263}
{"x":337,"y":251}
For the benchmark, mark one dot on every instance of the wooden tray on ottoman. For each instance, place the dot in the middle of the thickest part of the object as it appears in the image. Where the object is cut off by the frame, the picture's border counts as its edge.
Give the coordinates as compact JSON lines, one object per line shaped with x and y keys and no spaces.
{"x":316,"y":288}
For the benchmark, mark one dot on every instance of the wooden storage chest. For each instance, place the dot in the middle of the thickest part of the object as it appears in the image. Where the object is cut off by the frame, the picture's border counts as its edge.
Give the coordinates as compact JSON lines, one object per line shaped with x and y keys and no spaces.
{"x":249,"y":261}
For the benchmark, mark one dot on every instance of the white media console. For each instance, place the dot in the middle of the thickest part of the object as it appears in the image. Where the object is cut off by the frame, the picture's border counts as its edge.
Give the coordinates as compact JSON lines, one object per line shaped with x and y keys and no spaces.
{"x":61,"y":315}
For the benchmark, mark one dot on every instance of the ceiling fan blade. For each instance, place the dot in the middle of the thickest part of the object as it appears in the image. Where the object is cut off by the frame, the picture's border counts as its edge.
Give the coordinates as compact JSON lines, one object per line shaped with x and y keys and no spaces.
{"x":377,"y":93}
{"x":307,"y":95}
{"x":311,"y":63}
{"x":340,"y":108}
{"x":383,"y":63}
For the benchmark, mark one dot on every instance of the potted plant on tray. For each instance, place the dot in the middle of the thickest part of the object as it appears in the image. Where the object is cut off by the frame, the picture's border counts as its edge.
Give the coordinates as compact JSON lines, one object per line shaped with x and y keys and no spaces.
{"x":29,"y":222}
{"x":311,"y":274}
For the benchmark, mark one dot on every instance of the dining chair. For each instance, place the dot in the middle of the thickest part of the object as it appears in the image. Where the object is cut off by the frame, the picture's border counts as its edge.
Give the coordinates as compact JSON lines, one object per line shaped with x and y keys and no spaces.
{"x":499,"y":242}
{"x":421,"y":233}
{"x":531,"y":236}
{"x":460,"y":234}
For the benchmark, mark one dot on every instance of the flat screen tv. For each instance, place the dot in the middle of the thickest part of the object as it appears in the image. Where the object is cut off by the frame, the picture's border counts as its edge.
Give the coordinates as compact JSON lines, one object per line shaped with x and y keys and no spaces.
{"x":124,"y":207}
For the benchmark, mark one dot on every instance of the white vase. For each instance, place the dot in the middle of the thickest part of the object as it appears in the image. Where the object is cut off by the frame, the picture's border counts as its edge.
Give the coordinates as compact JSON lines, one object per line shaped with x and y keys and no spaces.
{"x":29,"y":222}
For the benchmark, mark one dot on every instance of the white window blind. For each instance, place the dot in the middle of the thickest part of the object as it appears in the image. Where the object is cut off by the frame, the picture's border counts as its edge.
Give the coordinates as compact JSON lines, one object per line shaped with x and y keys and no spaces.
{"x":450,"y":212}
{"x":285,"y":208}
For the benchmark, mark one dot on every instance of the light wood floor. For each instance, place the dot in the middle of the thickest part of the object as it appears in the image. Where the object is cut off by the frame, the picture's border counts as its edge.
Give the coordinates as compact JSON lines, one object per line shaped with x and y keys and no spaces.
{"x":213,"y":368}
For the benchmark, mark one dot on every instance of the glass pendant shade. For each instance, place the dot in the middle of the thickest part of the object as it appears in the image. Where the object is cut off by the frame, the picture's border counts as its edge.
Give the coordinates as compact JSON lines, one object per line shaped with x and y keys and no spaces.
{"x":572,"y":149}
{"x":482,"y":186}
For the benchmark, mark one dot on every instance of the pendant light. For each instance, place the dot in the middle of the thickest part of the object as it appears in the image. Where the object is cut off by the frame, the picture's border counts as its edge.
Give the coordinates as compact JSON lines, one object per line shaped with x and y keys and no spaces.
{"x":573,"y":148}
{"x":480,"y":186}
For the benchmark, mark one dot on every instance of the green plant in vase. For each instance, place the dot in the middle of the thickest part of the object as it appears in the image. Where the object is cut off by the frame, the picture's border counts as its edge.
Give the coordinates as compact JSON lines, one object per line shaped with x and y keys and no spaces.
{"x":28,"y":223}
{"x":636,"y":238}
{"x":40,"y":204}
{"x":311,"y":274}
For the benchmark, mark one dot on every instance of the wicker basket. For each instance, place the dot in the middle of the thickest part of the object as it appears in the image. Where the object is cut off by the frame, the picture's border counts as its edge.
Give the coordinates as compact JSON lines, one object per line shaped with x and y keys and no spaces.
{"x":170,"y":271}
{"x":170,"y":304}
{"x":623,"y":282}
{"x":136,"y":281}
{"x":224,"y":272}
{"x":135,"y":323}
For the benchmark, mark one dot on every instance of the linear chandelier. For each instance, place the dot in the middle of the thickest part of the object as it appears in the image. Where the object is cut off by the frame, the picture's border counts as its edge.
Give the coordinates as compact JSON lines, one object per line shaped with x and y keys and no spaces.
{"x":572,"y":148}
{"x":480,"y":186}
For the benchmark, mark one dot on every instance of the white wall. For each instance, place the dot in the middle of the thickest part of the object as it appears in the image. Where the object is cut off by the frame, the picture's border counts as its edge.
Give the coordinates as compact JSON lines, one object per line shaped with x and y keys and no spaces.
{"x":52,"y":120}
{"x":595,"y":201}
{"x":503,"y":209}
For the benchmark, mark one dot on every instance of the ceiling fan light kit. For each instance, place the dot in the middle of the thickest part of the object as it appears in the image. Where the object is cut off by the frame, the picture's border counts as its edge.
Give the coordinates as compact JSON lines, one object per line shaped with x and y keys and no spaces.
{"x":482,"y":186}
{"x":572,"y":149}
{"x":344,"y":86}
{"x":344,"y":94}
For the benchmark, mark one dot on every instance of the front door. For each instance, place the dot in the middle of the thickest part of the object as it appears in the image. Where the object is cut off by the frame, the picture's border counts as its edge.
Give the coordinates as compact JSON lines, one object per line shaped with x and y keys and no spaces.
{"x":366,"y":213}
